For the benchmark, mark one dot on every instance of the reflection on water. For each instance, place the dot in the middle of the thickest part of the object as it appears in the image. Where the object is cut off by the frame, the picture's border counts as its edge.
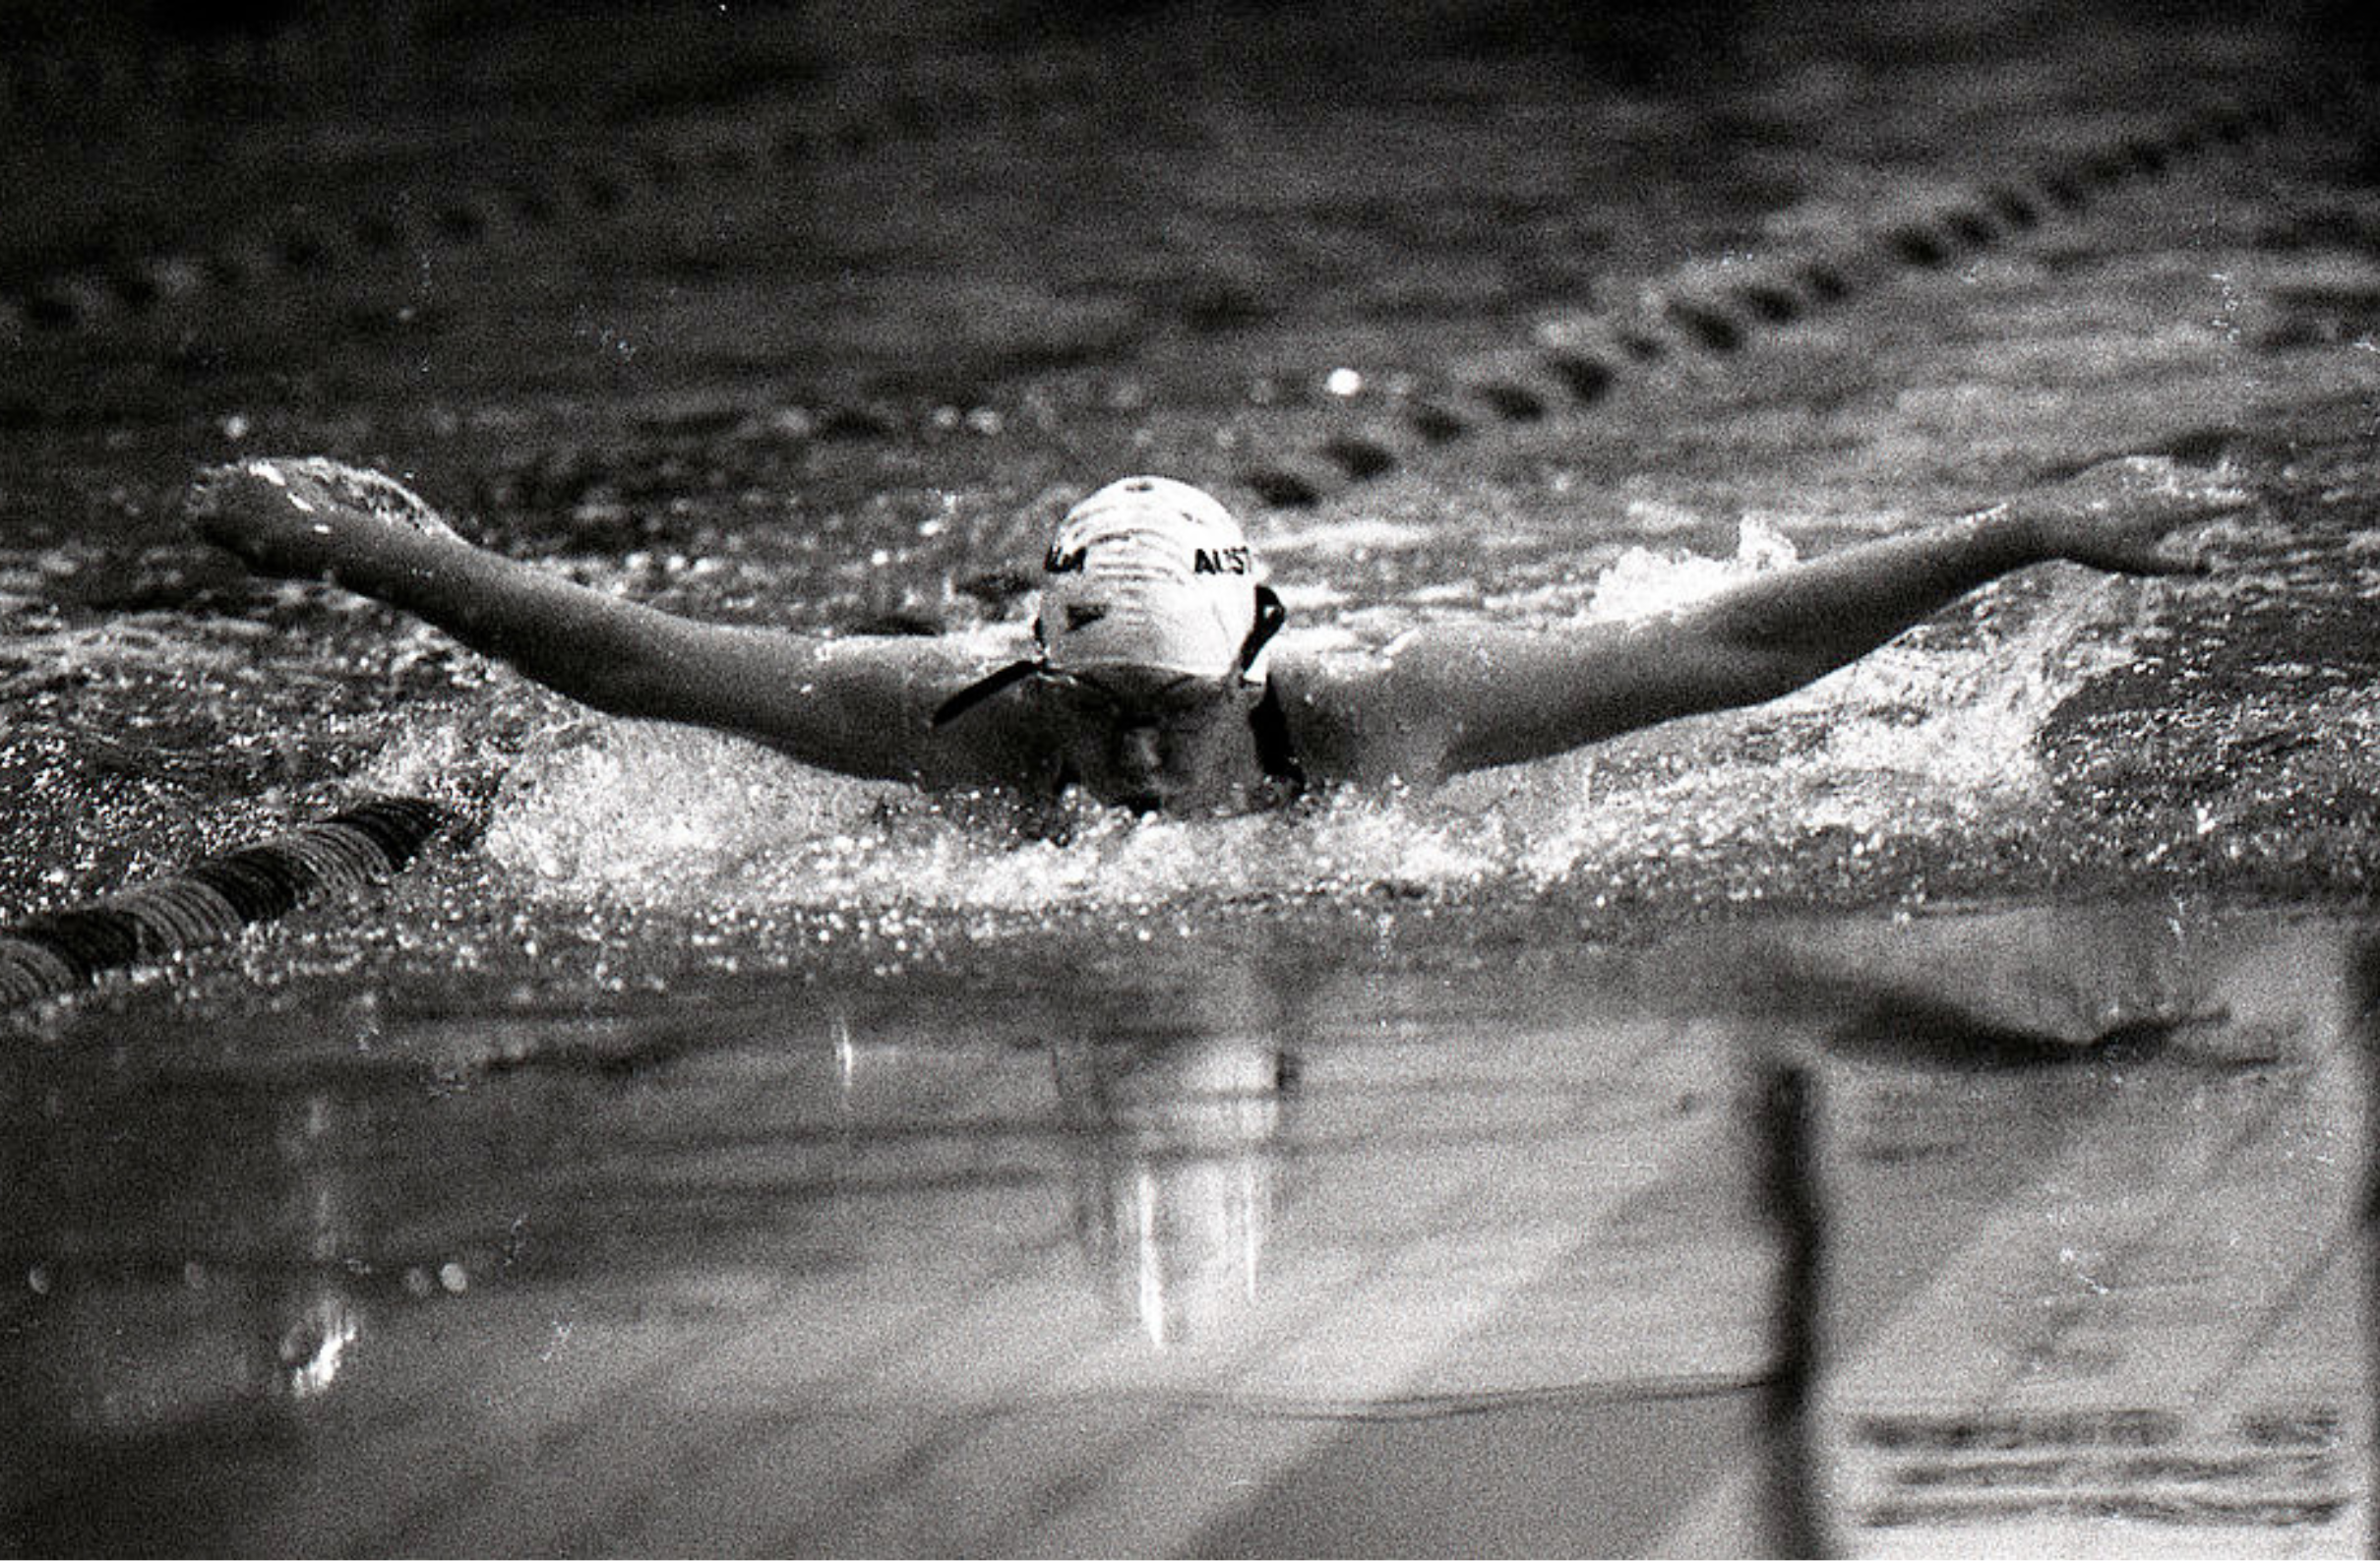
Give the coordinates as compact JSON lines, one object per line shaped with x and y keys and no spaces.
{"x":2163,"y":1332}
{"x":175,"y":1244}
{"x":1219,"y":1253}
{"x":1179,"y":1173}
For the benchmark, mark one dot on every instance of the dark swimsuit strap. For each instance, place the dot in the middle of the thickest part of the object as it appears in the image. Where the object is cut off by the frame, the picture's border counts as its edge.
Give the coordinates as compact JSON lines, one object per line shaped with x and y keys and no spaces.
{"x":1276,"y":753}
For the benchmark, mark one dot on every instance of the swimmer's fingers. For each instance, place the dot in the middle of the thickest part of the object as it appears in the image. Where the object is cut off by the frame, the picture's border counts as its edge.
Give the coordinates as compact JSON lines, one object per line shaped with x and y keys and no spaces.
{"x":256,"y":509}
{"x":302,"y":516}
{"x":2132,"y":515}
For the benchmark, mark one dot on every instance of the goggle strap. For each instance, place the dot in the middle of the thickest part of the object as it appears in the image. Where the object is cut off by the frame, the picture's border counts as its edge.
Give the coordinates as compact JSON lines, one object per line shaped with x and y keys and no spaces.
{"x":984,"y":688}
{"x":1270,"y":616}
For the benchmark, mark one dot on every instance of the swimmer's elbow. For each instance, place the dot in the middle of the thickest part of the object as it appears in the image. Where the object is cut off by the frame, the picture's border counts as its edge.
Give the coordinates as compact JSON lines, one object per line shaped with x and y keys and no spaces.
{"x":829,"y":728}
{"x":635,"y":694}
{"x":1729,"y":677}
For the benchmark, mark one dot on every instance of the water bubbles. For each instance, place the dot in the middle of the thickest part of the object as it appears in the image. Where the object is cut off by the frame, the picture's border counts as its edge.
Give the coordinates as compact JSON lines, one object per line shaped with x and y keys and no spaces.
{"x":985,"y":422}
{"x":1344,"y":383}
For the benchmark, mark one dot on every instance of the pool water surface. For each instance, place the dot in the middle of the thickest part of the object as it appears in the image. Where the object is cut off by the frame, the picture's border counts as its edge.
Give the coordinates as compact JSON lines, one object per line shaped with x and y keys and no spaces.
{"x":1924,"y":1112}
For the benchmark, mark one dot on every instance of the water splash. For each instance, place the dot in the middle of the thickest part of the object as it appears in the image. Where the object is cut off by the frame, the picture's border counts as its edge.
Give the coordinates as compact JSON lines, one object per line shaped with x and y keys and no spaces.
{"x":1643,"y":581}
{"x":1930,"y":738}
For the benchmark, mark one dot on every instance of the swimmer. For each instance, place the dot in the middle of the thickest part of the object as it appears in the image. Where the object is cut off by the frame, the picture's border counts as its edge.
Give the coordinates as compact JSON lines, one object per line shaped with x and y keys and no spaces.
{"x":1154,"y":681}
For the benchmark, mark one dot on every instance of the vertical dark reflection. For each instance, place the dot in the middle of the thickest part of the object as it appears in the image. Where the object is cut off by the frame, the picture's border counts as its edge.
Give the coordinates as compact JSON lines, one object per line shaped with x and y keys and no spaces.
{"x":2364,"y":998}
{"x":1787,"y":1099}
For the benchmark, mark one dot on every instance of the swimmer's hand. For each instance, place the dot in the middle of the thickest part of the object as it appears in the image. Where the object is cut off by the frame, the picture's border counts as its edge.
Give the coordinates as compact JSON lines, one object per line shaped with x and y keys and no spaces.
{"x":2127,"y":515}
{"x":305,"y":517}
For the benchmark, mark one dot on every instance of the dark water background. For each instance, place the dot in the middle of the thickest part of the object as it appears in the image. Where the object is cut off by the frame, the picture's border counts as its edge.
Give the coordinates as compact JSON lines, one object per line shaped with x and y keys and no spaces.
{"x":697,"y":1152}
{"x":807,"y":322}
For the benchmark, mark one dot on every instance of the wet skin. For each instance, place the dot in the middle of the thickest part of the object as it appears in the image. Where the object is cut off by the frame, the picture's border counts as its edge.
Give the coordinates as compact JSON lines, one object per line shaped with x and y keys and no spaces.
{"x":1154,"y":741}
{"x":1438,"y":700}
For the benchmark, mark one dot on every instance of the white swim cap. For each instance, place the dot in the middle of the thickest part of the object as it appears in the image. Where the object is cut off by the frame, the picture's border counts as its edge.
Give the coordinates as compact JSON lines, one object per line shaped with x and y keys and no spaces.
{"x":1149,"y":572}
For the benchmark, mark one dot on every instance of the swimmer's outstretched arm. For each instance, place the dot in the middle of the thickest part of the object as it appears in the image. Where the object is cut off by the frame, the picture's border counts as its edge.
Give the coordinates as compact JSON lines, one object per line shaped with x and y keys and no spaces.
{"x":859,"y":705}
{"x":1442,"y":702}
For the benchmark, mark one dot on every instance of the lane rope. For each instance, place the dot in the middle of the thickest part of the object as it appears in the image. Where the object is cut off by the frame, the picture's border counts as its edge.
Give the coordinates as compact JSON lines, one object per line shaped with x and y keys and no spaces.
{"x":1577,"y":363}
{"x":314,"y":247}
{"x":1697,"y":309}
{"x":63,"y":951}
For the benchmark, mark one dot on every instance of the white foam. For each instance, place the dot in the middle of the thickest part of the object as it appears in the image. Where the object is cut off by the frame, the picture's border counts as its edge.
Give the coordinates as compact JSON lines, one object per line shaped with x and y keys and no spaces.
{"x":1921,"y":739}
{"x":1642,"y":583}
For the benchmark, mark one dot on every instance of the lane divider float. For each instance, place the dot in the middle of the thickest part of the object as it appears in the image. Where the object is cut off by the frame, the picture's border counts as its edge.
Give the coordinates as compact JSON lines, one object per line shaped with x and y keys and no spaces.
{"x":311,"y":247}
{"x":62,"y":951}
{"x":1578,"y":361}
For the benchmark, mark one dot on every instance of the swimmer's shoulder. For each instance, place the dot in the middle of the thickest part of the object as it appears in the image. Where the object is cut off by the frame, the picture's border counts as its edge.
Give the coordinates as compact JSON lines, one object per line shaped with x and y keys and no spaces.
{"x":1346,"y":716}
